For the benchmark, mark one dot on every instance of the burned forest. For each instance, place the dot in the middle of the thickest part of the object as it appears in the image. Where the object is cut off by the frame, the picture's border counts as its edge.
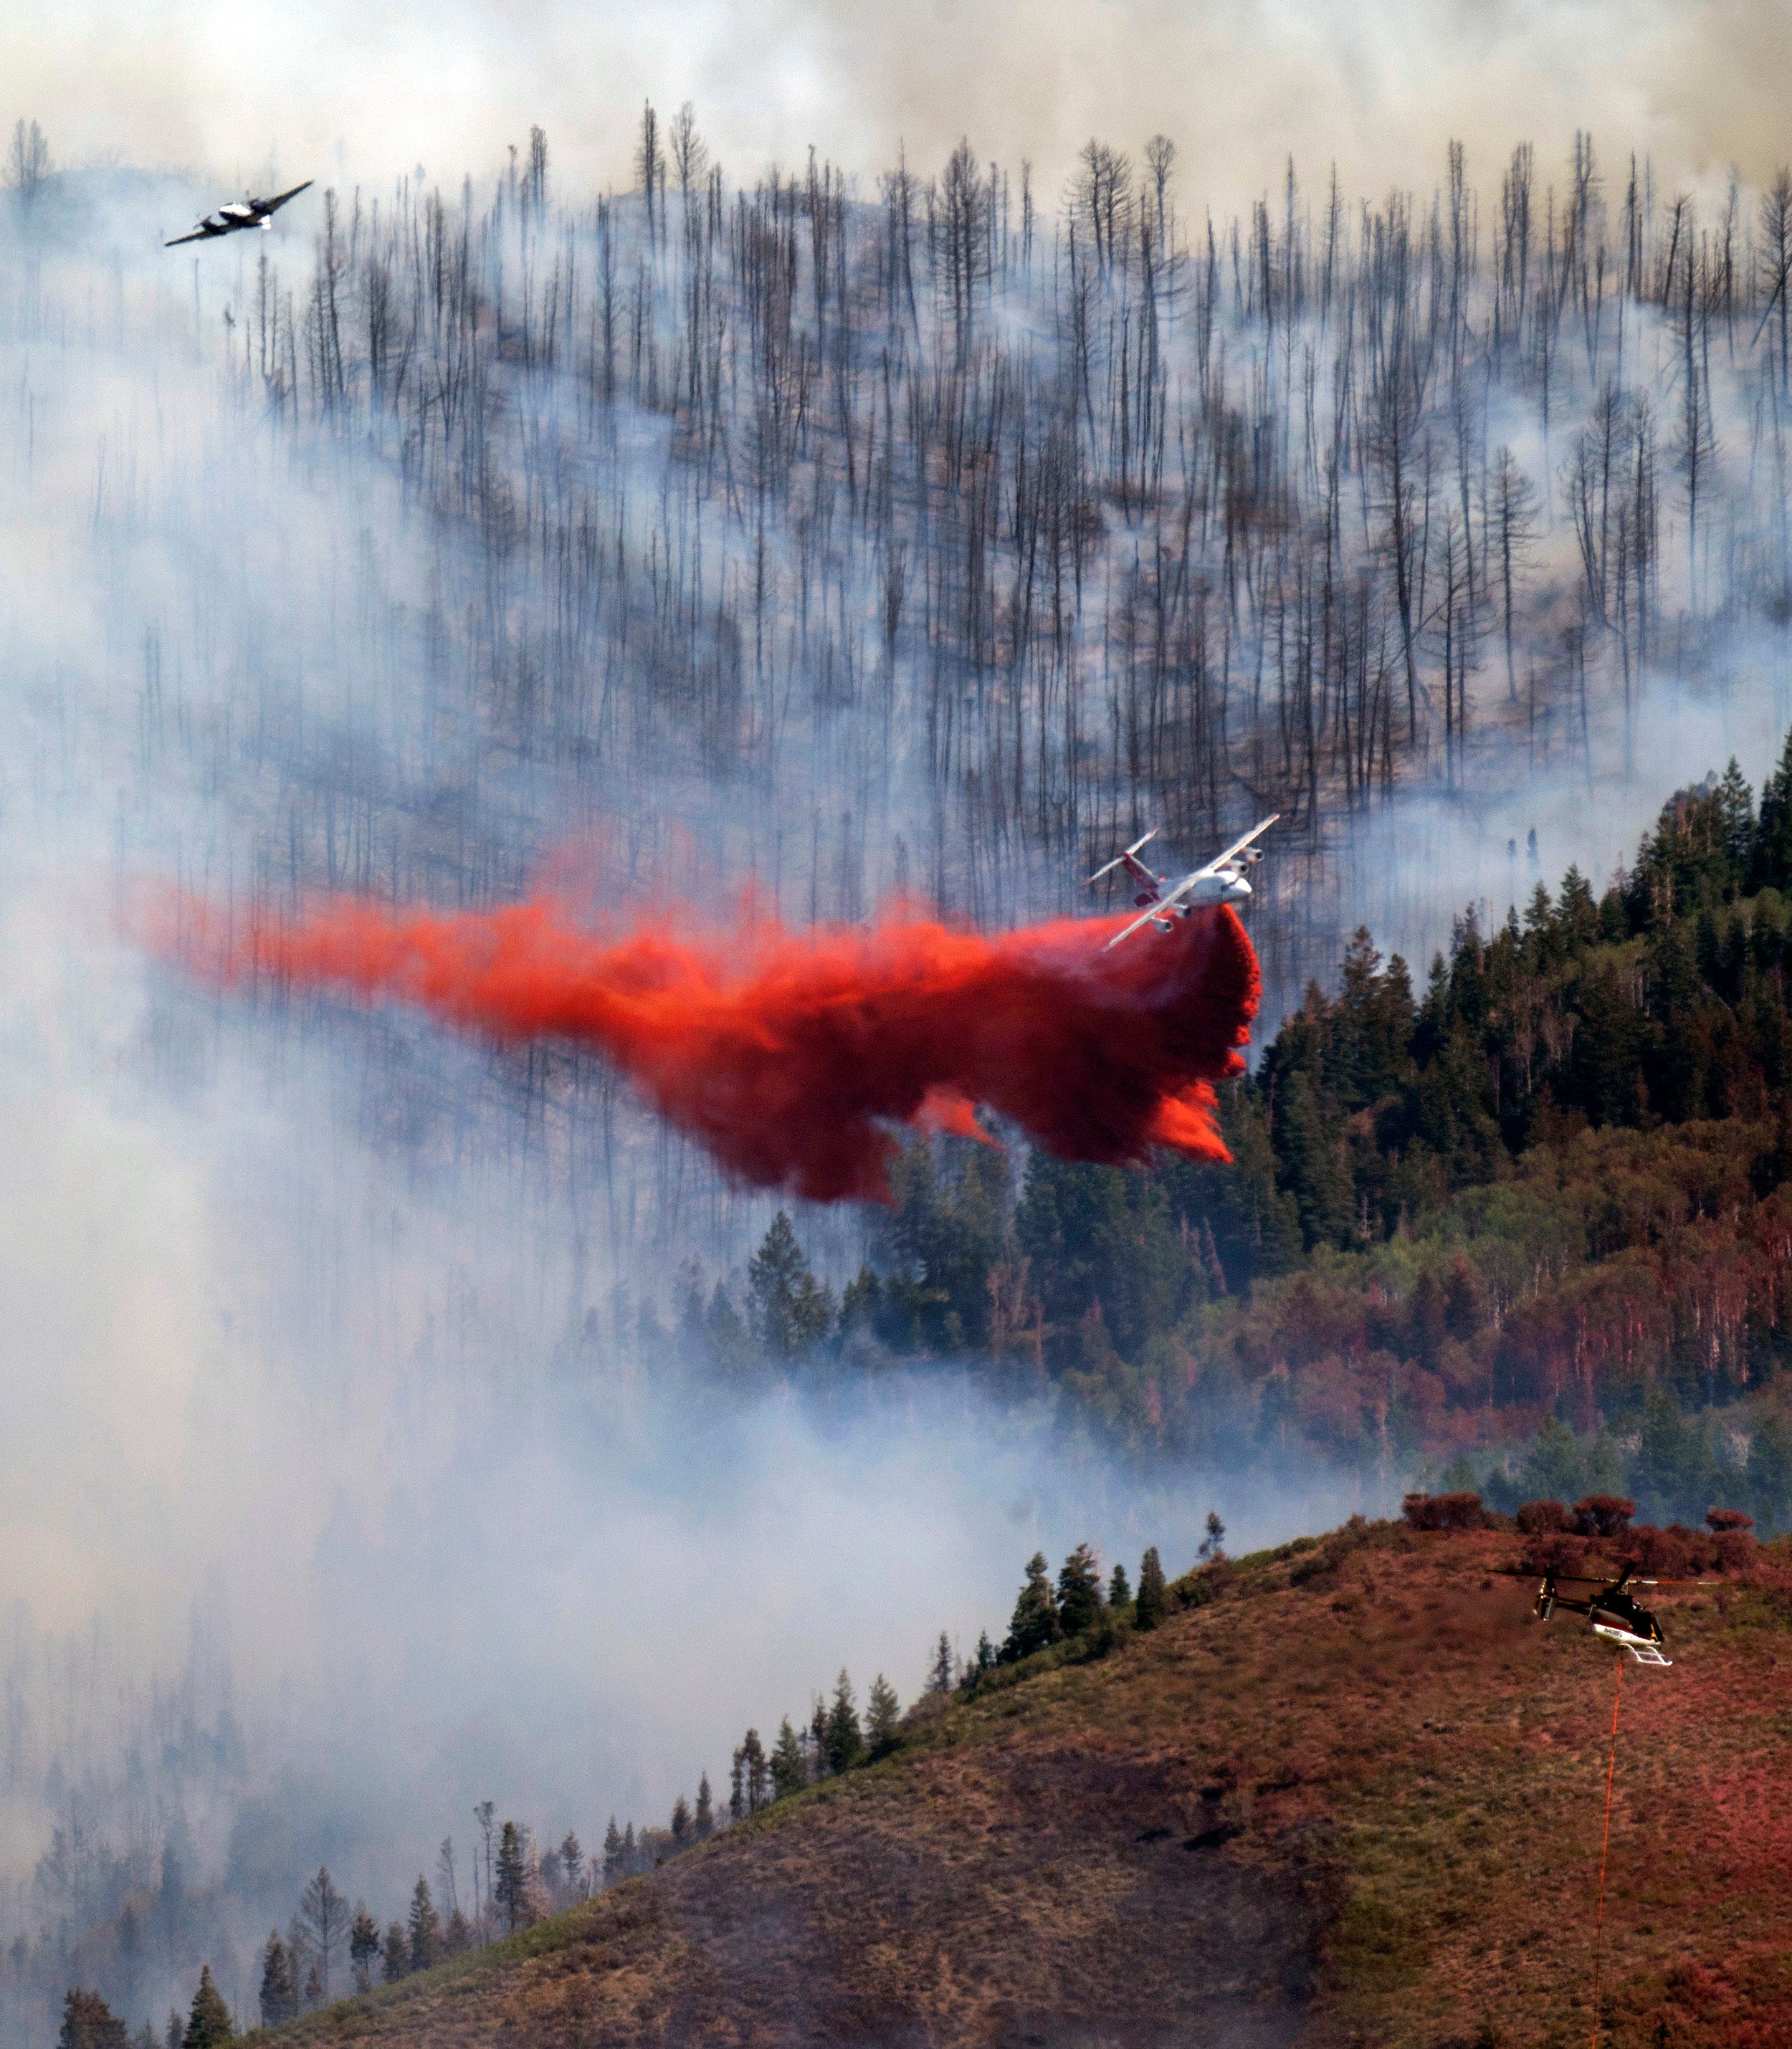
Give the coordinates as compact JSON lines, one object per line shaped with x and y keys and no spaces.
{"x":932,"y":537}
{"x":956,"y":531}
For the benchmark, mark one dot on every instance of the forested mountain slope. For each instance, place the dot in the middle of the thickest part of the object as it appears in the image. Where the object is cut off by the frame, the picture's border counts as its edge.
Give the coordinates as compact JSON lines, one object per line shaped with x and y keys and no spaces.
{"x":934,"y":534}
{"x":1349,"y":1791}
{"x":1531,"y":1225}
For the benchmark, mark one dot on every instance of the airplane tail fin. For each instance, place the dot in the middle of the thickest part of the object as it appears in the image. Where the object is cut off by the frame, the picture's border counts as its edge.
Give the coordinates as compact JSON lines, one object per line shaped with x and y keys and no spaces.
{"x":1121,"y":860}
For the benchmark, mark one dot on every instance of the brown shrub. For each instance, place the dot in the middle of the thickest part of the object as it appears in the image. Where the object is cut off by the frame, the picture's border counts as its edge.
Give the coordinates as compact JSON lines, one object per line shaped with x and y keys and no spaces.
{"x":1664,"y":1553}
{"x":1552,"y":1554}
{"x":1721,"y":1519}
{"x":1544,"y":1519}
{"x":1604,"y":1514}
{"x":1445,"y":1511}
{"x":1699,"y":1546}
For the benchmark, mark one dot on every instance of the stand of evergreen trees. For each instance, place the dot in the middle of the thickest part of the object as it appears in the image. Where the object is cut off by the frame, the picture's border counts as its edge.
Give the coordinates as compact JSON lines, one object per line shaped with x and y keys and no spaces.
{"x":89,"y":2023}
{"x":836,"y":1738}
{"x":1528,"y":1227}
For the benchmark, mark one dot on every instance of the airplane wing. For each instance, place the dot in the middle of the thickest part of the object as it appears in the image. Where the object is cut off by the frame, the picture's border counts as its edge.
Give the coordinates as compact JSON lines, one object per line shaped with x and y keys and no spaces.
{"x":198,"y":235}
{"x":1156,"y":911}
{"x":1238,"y":846}
{"x":280,"y":199}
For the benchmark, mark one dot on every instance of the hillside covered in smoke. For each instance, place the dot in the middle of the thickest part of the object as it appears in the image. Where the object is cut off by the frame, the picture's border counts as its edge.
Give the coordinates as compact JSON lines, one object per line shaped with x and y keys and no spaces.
{"x":833,"y":539}
{"x":936,"y":536}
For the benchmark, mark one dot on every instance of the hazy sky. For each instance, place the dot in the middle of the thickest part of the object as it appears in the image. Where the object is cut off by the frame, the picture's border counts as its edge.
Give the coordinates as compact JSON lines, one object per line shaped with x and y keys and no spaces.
{"x":341,"y":90}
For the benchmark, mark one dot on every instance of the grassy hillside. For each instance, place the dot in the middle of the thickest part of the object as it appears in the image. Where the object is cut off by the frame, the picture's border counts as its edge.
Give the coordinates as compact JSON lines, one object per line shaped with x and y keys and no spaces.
{"x":1350,"y":1792}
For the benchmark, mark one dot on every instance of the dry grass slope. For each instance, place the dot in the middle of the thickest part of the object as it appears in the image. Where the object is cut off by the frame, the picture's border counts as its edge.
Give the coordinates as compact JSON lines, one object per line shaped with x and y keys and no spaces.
{"x":1353,"y":1796}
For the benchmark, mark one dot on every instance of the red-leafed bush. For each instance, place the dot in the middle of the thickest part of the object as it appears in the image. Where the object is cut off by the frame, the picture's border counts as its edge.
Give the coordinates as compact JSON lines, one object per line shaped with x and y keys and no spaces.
{"x":1733,"y":1538}
{"x":1551,"y":1554}
{"x":1604,"y":1514}
{"x":1720,"y":1519}
{"x":1665,"y":1554}
{"x":1544,"y":1519}
{"x":1445,"y":1511}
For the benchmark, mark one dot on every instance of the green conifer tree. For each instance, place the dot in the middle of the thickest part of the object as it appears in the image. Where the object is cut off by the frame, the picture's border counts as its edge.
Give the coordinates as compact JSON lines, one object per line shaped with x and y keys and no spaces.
{"x":512,"y":1888}
{"x":1736,"y":814}
{"x":1034,"y":1623}
{"x":750,"y":1787}
{"x":1151,"y":1602}
{"x":680,"y":1823}
{"x":424,"y":1929}
{"x":1119,"y":1589}
{"x":363,"y":1946}
{"x":614,"y":1871}
{"x":208,"y":2025}
{"x":791,"y":1312}
{"x":883,"y":1712}
{"x":1771,"y":867}
{"x":1079,"y":1592}
{"x":279,"y":1995}
{"x":845,"y":1739}
{"x":395,"y":1951}
{"x":790,"y":1769}
{"x":729,"y":1340}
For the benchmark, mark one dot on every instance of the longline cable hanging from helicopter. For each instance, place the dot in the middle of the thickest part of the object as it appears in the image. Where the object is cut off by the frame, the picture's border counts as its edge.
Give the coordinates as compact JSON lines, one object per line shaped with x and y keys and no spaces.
{"x":1605,"y":1841}
{"x":1613,"y":1612}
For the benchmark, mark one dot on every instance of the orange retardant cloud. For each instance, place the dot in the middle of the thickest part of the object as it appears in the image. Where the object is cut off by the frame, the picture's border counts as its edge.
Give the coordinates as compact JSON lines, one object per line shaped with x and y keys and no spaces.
{"x":791,"y":1055}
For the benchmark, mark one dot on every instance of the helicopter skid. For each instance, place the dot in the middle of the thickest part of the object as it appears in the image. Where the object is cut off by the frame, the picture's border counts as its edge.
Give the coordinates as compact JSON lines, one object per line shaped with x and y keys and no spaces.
{"x":1644,"y":1652}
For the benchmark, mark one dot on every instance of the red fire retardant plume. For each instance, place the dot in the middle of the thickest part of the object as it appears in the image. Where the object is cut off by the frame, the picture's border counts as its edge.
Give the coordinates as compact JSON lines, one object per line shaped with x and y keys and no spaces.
{"x":791,"y":1054}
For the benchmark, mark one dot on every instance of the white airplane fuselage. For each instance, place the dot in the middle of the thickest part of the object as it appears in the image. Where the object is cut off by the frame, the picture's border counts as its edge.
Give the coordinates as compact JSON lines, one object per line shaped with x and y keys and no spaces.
{"x":1160,"y":902}
{"x":1195,"y":891}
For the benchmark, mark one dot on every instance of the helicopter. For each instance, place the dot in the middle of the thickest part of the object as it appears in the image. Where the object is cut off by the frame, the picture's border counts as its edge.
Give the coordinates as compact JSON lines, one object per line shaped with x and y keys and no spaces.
{"x":1612,"y":1610}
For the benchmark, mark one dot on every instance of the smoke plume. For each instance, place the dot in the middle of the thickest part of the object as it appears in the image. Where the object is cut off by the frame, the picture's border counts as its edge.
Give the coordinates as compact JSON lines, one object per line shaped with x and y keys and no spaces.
{"x":789,"y":1054}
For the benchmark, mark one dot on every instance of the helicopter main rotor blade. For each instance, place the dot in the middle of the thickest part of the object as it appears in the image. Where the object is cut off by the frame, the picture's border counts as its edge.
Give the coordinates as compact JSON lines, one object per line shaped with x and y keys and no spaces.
{"x":1549,"y":1572}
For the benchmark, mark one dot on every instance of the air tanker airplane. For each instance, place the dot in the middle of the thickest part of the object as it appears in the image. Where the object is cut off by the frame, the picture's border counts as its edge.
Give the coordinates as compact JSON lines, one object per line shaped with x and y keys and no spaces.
{"x":238,"y":214}
{"x":1221,"y":881}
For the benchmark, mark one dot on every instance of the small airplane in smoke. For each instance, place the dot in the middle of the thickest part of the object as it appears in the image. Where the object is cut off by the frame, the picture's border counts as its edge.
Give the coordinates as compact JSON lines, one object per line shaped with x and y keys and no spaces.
{"x":1221,"y":881}
{"x":239,"y":213}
